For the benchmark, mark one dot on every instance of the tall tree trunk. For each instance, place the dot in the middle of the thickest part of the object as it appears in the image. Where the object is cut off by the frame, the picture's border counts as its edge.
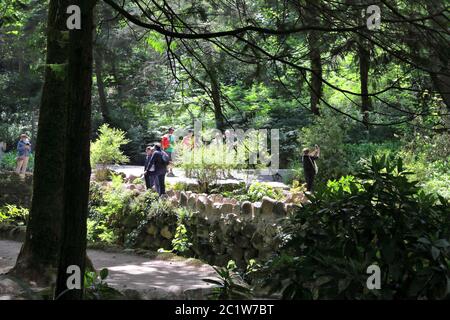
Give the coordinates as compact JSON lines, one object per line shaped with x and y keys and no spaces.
{"x":38,"y":257}
{"x":101,"y":85}
{"x":314,"y":58}
{"x":364,"y":66}
{"x":211,"y":71}
{"x":78,"y":170}
{"x":215,"y":92}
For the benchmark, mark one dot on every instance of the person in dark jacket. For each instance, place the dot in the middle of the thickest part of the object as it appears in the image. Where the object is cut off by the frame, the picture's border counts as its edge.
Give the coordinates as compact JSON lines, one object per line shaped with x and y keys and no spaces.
{"x":160,"y":168}
{"x":309,"y":165}
{"x":149,"y":179}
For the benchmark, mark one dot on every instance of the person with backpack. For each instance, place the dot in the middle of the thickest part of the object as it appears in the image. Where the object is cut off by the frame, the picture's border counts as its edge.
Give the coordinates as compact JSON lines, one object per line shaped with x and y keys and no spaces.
{"x":168,"y":144}
{"x":158,"y":168}
{"x":309,"y":165}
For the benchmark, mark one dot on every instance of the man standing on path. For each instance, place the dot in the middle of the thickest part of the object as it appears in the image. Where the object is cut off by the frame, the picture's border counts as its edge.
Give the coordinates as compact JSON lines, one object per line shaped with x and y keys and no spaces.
{"x":168,"y":144}
{"x":160,"y":161}
{"x":309,"y":165}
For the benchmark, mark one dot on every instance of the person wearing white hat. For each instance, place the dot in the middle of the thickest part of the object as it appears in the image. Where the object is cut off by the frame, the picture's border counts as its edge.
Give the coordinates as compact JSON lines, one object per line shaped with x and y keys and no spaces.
{"x":23,"y":153}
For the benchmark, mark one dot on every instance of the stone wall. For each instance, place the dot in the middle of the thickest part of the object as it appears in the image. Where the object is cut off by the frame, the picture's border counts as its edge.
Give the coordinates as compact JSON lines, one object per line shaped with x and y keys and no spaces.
{"x":222,"y":229}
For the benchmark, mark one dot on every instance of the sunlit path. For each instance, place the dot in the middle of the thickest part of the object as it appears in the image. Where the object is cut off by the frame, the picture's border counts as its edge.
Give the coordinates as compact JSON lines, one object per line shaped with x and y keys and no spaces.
{"x":150,"y":278}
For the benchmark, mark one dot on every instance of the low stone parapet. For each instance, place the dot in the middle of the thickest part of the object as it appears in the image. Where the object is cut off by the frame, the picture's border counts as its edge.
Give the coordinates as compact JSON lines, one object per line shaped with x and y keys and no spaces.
{"x":222,"y":229}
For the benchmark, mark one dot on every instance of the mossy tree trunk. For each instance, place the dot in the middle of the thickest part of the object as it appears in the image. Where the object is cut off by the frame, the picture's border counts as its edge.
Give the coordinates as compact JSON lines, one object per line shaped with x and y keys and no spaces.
{"x":37,"y":260}
{"x":56,"y":232}
{"x":78,"y":170}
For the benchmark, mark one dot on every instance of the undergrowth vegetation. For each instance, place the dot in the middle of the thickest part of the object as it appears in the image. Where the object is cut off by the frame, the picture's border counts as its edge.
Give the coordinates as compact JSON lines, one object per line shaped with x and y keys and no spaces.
{"x":379,"y":217}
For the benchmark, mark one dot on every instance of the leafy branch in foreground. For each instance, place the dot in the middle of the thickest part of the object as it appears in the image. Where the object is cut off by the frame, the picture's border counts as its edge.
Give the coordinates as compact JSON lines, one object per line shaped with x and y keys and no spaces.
{"x":228,"y":286}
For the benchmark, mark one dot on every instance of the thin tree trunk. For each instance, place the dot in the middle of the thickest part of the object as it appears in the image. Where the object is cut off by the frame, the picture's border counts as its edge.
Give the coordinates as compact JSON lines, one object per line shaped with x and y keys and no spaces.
{"x":315,"y":59}
{"x":364,"y":66}
{"x":211,"y":72}
{"x":38,"y":257}
{"x":78,"y":170}
{"x":215,"y":92}
{"x":101,"y":85}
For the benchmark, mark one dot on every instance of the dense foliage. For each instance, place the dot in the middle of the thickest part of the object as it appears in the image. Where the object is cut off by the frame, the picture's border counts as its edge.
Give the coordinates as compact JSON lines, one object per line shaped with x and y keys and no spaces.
{"x":321,"y":72}
{"x":379,"y":217}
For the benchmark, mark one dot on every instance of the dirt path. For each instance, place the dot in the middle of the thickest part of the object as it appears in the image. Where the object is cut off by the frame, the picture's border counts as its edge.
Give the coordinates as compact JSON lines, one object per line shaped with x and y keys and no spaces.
{"x":150,"y":278}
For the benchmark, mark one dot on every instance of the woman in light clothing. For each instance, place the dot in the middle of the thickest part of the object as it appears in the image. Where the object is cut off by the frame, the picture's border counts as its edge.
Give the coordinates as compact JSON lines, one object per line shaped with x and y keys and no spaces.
{"x":23,"y":153}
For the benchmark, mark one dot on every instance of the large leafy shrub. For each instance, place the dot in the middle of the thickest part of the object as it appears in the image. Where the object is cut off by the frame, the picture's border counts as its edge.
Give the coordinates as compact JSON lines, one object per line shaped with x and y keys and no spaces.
{"x":428,"y":156}
{"x":433,"y":176}
{"x":109,"y":212}
{"x":330,"y":134}
{"x":106,"y":149}
{"x":208,"y":163}
{"x":382,"y":218}
{"x":228,"y":284}
{"x":119,"y":216}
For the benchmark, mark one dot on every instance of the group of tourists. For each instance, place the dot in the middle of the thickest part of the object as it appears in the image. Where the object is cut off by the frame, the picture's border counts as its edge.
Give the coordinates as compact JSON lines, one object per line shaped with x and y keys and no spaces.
{"x":158,"y":161}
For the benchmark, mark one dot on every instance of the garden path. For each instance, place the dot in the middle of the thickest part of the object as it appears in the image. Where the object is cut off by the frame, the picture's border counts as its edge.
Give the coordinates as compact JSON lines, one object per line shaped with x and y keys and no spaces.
{"x":137,"y":276}
{"x":238,"y":176}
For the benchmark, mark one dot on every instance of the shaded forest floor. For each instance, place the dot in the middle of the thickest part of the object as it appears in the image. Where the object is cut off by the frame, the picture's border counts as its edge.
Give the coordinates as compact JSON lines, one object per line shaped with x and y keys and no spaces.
{"x":138,"y":277}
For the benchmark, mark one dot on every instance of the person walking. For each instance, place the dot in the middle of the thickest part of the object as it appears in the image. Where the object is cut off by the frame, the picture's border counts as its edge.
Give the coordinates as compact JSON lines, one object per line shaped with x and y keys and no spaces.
{"x":23,"y":153}
{"x":168,"y":146}
{"x":149,"y":179}
{"x":160,"y":160}
{"x":309,"y":166}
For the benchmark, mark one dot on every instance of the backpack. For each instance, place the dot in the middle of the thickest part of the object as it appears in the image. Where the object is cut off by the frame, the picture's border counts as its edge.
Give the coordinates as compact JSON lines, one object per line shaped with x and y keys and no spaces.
{"x":165,"y":142}
{"x":316,"y":168}
{"x":165,"y":158}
